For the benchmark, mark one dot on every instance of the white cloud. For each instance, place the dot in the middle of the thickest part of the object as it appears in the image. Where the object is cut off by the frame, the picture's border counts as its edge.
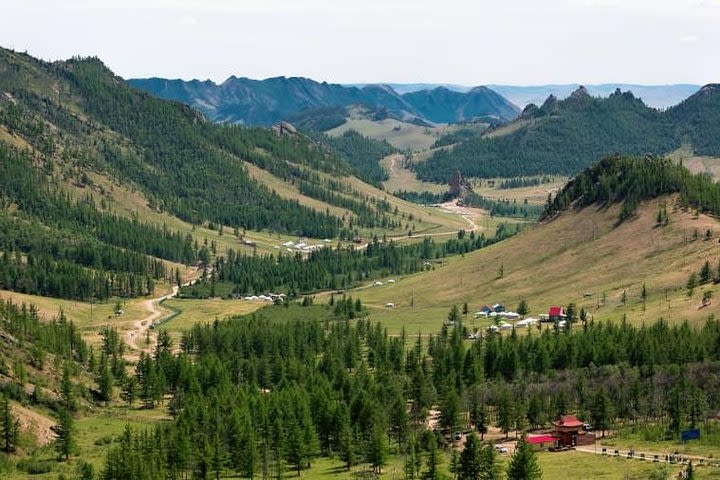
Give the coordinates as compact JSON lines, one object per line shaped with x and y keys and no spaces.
{"x":188,"y":20}
{"x":689,"y":39}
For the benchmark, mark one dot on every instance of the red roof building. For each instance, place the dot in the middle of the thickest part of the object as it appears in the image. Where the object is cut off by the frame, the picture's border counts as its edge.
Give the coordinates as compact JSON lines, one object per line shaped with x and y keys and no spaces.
{"x":556,"y":313}
{"x":567,"y":429}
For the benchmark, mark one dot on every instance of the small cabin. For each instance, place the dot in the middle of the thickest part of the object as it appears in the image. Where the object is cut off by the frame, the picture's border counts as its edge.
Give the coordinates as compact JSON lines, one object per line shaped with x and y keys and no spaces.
{"x":556,"y":314}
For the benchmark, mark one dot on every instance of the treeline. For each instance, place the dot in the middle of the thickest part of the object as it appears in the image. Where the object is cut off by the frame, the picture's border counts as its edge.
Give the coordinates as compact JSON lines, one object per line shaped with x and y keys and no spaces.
{"x":521,"y":182}
{"x":560,"y":137}
{"x":455,"y":137}
{"x":632,"y":180}
{"x":363,"y":154}
{"x":328,"y":268}
{"x":423,"y":198}
{"x":43,"y":275}
{"x":263,"y":397}
{"x":58,"y":336}
{"x":504,"y":207}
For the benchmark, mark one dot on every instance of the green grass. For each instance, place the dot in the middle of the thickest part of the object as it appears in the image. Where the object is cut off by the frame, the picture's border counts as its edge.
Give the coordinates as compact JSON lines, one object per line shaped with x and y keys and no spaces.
{"x":652,"y":438}
{"x":581,"y":465}
{"x":96,"y":433}
{"x":193,"y":311}
{"x":404,"y":136}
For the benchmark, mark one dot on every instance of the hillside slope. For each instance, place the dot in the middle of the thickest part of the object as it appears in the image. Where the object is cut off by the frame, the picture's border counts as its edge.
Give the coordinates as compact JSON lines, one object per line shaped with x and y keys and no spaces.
{"x":565,"y":136}
{"x":621,"y":224}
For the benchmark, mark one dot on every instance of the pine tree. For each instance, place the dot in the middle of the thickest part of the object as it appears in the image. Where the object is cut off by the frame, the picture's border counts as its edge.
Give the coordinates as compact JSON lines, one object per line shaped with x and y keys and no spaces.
{"x":9,"y":426}
{"x":412,"y":459}
{"x":433,"y":457}
{"x":523,"y":308}
{"x":523,"y":464}
{"x":470,"y":459}
{"x":490,"y":468}
{"x":377,"y":449}
{"x":129,"y":390}
{"x":691,"y":284}
{"x":348,"y":444}
{"x":601,"y":411}
{"x":67,"y":390}
{"x":65,"y":435}
{"x":705,"y":273}
{"x":506,"y":416}
{"x":105,"y":379}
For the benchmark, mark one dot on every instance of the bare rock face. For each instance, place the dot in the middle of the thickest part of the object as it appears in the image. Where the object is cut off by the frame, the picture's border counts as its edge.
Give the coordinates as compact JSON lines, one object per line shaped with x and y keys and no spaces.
{"x":459,"y":186}
{"x":283,"y":128}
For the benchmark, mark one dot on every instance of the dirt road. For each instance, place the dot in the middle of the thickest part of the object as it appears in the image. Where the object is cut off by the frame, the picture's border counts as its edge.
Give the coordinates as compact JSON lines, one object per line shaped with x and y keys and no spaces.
{"x":155,"y":313}
{"x":467,"y":213}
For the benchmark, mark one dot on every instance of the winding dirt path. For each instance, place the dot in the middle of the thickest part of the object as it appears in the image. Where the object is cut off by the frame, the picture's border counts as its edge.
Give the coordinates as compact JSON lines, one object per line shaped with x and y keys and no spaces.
{"x":140,"y":327}
{"x":467,"y":213}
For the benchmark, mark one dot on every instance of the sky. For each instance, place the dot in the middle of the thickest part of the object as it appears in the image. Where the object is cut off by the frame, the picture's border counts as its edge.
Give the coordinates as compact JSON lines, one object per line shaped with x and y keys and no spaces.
{"x":467,"y":42}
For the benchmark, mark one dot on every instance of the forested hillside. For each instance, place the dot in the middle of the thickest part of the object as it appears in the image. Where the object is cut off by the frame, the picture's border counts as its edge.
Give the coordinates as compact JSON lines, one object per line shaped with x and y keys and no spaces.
{"x":563,"y":137}
{"x":363,"y":154}
{"x":631,"y":180}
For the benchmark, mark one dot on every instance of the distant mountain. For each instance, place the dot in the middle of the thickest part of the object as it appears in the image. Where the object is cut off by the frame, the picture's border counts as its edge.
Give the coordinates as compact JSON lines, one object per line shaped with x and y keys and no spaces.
{"x":403,"y":88}
{"x":698,"y":119}
{"x":565,"y":136}
{"x":264,"y":102}
{"x":656,"y":96}
{"x":447,"y":106}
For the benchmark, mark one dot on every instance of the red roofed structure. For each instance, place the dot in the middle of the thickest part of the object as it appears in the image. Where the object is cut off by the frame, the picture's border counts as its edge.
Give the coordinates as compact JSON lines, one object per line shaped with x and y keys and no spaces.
{"x":541,"y":442}
{"x":567,"y":429}
{"x":556,"y":313}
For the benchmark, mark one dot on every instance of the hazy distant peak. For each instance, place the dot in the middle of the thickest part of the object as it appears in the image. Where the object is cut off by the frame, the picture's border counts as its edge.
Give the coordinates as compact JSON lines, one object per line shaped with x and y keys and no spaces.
{"x":709,"y":89}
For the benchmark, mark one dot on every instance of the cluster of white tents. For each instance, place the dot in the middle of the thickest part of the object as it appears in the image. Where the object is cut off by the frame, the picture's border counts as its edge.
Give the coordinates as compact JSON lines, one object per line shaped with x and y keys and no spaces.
{"x":265,"y":298}
{"x":503,"y":326}
{"x":507,"y":315}
{"x":303,"y":246}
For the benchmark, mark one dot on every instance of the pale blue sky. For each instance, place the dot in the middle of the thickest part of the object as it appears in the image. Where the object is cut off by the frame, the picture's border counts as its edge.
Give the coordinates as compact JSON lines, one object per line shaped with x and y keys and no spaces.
{"x":466,"y":42}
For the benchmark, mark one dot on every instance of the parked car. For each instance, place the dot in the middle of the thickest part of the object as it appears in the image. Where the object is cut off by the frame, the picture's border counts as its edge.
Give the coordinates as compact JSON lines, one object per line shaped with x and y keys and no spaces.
{"x":501,"y":449}
{"x":457,"y":435}
{"x":587,"y":427}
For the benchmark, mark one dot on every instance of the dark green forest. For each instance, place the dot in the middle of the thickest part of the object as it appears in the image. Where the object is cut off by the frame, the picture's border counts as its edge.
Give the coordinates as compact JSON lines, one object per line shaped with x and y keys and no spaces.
{"x":330,"y":268}
{"x":631,"y":180}
{"x":363,"y":154}
{"x":55,"y":246}
{"x":264,"y":396}
{"x":563,"y":137}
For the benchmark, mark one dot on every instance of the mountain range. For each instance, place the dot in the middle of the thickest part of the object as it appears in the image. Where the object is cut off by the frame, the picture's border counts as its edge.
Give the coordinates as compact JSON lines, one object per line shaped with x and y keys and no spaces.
{"x":656,"y":96}
{"x":264,"y":102}
{"x":565,"y":136}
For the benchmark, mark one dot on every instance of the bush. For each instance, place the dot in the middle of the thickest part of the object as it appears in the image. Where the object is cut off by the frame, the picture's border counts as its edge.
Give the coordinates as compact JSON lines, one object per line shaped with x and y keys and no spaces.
{"x":33,"y":466}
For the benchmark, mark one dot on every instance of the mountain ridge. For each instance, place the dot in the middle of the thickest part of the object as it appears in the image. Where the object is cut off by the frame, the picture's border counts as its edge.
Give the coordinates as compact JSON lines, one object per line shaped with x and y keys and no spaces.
{"x":263,"y":102}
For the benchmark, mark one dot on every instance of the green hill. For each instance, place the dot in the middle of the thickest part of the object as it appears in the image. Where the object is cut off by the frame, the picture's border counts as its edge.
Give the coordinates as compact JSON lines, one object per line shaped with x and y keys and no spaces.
{"x":565,"y":136}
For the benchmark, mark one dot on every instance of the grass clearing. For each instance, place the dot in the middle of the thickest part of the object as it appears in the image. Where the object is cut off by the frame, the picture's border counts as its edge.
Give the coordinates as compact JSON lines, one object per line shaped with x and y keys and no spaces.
{"x":536,"y":194}
{"x":202,"y":311}
{"x":402,"y":135}
{"x":697,"y":163}
{"x":402,"y":178}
